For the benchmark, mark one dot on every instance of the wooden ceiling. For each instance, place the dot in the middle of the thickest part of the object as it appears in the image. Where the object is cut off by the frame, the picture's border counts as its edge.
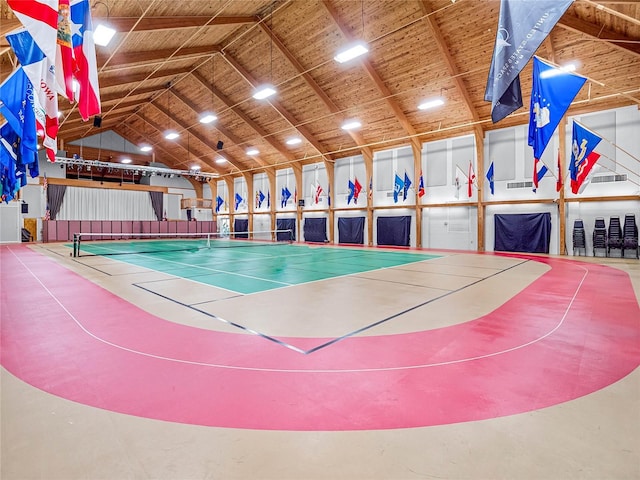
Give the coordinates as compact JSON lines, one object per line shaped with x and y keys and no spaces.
{"x":170,"y":61}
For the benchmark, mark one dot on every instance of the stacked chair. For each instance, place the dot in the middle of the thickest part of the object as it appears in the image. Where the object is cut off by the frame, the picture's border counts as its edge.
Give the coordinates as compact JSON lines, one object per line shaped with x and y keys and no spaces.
{"x":630,"y":235}
{"x":614,"y":236}
{"x":600,"y":238}
{"x":579,"y":238}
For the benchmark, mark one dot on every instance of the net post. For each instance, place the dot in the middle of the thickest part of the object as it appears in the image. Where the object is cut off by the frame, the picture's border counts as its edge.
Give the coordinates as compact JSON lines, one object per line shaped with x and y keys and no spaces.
{"x":75,"y":245}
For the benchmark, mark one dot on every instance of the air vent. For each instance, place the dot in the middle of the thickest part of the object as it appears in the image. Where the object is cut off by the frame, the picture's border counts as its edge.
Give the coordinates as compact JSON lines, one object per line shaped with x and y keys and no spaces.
{"x":519,"y":184}
{"x":610,"y":178}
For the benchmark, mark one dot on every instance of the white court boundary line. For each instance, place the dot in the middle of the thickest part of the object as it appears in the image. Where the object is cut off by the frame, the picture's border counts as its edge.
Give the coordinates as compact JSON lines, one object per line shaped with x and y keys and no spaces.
{"x":283,"y":370}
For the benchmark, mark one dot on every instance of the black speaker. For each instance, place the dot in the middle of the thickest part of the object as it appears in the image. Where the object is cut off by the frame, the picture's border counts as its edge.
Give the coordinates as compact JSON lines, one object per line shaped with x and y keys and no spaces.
{"x":301,"y":203}
{"x":97,"y":121}
{"x":219,"y":145}
{"x":25,"y":208}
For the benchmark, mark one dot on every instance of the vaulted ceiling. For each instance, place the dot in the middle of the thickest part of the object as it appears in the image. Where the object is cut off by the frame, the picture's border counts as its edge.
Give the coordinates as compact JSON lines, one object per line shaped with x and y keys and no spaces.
{"x":170,"y":61}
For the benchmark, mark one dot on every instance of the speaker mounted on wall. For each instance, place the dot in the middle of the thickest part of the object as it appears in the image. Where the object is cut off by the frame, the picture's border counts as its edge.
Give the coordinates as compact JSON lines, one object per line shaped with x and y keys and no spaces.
{"x":97,"y":121}
{"x":219,"y":145}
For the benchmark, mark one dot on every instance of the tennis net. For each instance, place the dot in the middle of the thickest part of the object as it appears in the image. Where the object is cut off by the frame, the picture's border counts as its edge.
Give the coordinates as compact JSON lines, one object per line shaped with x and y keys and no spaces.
{"x":93,"y":244}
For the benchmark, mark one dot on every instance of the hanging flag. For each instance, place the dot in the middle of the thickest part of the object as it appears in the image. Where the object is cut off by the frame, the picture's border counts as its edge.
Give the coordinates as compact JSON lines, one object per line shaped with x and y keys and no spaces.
{"x":269,"y":198}
{"x":490,"y":178}
{"x":352,"y":188}
{"x":40,"y":72}
{"x":405,"y":188}
{"x":257,"y":204}
{"x":219,"y":202}
{"x":45,"y":183}
{"x":357,"y":188}
{"x":40,"y":18}
{"x":421,"y":190}
{"x":539,"y":171}
{"x":318,"y":193}
{"x":398,"y":186}
{"x":559,"y":182}
{"x":64,"y":51}
{"x":84,"y":53}
{"x":238,"y":201}
{"x":583,"y":158}
{"x":261,"y":198}
{"x":470,"y":179}
{"x":329,"y":195}
{"x":47,"y":213}
{"x":371,"y":187}
{"x":16,"y":104}
{"x":552,"y":93}
{"x":286,"y":195}
{"x":9,"y":147}
{"x":522,"y":27}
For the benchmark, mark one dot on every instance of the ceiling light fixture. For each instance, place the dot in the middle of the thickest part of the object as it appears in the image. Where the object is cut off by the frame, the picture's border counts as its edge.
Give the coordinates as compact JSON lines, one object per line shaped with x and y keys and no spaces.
{"x":221,"y":160}
{"x":103,"y":35}
{"x":208,"y":118}
{"x":146,"y":148}
{"x":351,"y":51}
{"x":253,"y":151}
{"x":351,"y":125}
{"x":432,"y":103}
{"x":570,"y":67}
{"x":171,"y":135}
{"x":125,"y":160}
{"x":264,"y":91}
{"x":293,"y":141}
{"x":195,"y":167}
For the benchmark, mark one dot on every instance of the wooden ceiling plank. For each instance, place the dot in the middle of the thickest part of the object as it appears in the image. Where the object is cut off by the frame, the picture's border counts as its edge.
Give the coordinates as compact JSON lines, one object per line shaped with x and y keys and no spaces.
{"x":125,"y":24}
{"x":375,"y":77}
{"x":118,"y":80}
{"x":448,"y":59}
{"x":592,"y":30}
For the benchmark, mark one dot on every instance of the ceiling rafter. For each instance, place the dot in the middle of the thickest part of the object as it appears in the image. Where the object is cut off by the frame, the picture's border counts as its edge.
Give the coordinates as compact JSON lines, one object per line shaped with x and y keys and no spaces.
{"x":248,"y":120}
{"x":302,"y":130}
{"x":328,"y":102}
{"x":375,"y":77}
{"x":236,"y":163}
{"x":118,"y":80}
{"x":150,"y":57}
{"x":172,"y":22}
{"x":448,"y":59}
{"x":600,"y":33}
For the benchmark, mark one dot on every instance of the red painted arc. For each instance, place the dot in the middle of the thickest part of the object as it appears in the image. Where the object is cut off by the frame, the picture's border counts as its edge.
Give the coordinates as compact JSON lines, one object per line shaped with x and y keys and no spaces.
{"x":573,"y":331}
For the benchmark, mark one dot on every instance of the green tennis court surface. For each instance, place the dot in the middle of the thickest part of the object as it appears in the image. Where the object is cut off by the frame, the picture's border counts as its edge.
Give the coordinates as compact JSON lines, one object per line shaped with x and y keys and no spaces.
{"x":250,"y":268}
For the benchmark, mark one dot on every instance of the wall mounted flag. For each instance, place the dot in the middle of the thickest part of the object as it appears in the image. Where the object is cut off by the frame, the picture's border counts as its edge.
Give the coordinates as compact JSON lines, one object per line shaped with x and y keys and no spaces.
{"x":318,"y":193}
{"x":559,"y":180}
{"x":522,"y":27}
{"x":238,"y":201}
{"x":470,"y":179}
{"x":583,"y":158}
{"x":405,"y":188}
{"x":352,"y":189}
{"x":398,"y":187}
{"x":490,"y":178}
{"x":421,"y":190}
{"x":286,"y":195}
{"x":357,"y":188}
{"x":539,"y":171}
{"x":219,"y":202}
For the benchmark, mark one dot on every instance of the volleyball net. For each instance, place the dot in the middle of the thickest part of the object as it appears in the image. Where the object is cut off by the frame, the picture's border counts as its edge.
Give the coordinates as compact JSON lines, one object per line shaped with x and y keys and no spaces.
{"x":99,"y":244}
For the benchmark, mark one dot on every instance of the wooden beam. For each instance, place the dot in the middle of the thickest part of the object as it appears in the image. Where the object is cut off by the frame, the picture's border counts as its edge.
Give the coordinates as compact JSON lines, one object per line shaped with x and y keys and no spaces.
{"x":121,"y":79}
{"x":120,"y":61}
{"x":137,"y":24}
{"x":597,"y":32}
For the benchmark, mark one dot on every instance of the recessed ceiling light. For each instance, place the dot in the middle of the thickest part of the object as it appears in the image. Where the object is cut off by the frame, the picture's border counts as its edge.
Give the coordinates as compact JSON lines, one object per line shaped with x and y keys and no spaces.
{"x":351,"y":51}
{"x":195,"y":167}
{"x":433,"y":103}
{"x":264,"y":91}
{"x":208,"y":118}
{"x":351,"y":125}
{"x":102,"y":35}
{"x":294,"y":141}
{"x":221,"y":160}
{"x":146,"y":148}
{"x":253,"y":151}
{"x":171,"y":135}
{"x":125,"y":160}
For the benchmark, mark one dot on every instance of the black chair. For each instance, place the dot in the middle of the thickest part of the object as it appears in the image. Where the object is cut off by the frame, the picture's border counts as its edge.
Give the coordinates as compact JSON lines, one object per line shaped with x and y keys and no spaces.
{"x":614,"y":235}
{"x":599,"y":238}
{"x":630,"y":235}
{"x":579,"y":238}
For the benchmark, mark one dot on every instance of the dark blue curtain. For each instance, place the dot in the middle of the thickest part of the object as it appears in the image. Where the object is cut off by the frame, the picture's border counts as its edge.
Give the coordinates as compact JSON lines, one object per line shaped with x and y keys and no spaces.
{"x":394,"y":230}
{"x":286,"y":224}
{"x":351,"y":230}
{"x":240,"y":225}
{"x":315,"y":229}
{"x":525,"y":232}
